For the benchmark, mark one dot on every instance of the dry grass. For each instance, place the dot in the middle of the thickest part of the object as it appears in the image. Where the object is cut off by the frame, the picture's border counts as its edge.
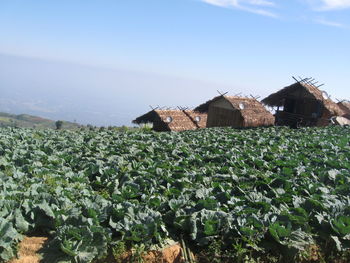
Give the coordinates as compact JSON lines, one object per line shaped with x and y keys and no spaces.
{"x":171,"y":254}
{"x":28,"y":250}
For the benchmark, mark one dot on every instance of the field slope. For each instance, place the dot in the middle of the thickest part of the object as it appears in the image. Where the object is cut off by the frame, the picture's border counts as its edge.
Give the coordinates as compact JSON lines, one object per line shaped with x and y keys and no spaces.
{"x":270,"y":194}
{"x":29,"y":121}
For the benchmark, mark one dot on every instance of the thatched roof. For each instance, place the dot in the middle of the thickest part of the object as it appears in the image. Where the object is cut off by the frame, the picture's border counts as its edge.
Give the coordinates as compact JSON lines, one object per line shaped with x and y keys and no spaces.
{"x":303,"y":90}
{"x":174,"y":120}
{"x":252,"y":111}
{"x":205,"y":106}
{"x":345,"y":106}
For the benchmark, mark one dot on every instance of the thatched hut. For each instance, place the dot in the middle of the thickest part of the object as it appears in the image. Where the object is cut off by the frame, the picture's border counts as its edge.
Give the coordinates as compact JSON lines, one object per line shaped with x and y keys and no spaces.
{"x":237,"y":112}
{"x":303,"y":104}
{"x":345,"y":106}
{"x":173,"y":120}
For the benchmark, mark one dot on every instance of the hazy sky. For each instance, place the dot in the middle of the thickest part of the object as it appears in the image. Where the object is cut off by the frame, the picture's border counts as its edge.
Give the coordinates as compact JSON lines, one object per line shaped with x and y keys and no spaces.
{"x":253,"y":46}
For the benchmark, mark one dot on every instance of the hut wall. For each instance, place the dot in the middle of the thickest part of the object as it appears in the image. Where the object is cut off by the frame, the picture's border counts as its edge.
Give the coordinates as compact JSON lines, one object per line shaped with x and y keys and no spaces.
{"x":304,"y":106}
{"x":290,"y":105}
{"x":221,"y":117}
{"x":160,"y":126}
{"x":258,"y":121}
{"x":307,"y":112}
{"x":324,"y":120}
{"x":310,"y":108}
{"x":222,"y":114}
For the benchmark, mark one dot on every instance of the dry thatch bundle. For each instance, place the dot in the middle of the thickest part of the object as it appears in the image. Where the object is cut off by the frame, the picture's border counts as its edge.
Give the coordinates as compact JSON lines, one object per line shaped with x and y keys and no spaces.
{"x":236,"y":111}
{"x":345,"y":106}
{"x":173,"y":120}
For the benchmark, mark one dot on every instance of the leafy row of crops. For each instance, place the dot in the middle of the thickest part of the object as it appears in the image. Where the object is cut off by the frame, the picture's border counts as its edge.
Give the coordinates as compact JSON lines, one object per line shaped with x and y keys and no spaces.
{"x":247,"y":190}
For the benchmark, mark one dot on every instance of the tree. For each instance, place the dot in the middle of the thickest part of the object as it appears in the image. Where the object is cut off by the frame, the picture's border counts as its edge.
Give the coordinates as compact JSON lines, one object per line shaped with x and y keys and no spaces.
{"x":59,"y":125}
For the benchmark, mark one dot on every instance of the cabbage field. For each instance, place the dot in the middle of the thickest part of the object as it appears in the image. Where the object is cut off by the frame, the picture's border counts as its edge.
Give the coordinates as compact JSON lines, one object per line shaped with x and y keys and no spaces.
{"x":261,"y":194}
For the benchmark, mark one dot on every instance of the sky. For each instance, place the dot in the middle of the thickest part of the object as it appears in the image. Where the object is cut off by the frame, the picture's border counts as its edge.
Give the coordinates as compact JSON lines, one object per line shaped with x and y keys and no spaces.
{"x":248,"y":46}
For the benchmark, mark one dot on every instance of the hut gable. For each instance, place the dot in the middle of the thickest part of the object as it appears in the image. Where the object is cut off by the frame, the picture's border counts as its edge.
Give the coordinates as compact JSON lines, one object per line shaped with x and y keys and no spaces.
{"x":205,"y":106}
{"x":303,"y":102}
{"x":345,"y":107}
{"x":173,"y":120}
{"x":236,"y":112}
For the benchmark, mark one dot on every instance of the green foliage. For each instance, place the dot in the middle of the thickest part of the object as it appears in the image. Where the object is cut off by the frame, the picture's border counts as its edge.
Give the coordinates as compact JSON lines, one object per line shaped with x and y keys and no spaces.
{"x":59,"y":125}
{"x":9,"y":236}
{"x":271,"y":191}
{"x":118,"y":250}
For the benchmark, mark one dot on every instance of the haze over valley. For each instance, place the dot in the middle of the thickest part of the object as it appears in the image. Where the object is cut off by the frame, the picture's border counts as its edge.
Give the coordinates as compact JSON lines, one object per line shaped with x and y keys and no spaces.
{"x":91,"y":95}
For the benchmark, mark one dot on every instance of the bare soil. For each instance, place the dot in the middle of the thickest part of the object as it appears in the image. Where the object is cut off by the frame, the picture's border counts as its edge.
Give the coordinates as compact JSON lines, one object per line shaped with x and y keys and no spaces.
{"x":28,"y":250}
{"x":171,"y":254}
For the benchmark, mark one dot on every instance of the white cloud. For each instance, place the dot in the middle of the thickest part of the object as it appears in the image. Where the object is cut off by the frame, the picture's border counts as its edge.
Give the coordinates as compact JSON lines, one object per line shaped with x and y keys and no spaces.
{"x":267,"y":8}
{"x":336,"y":4}
{"x":253,"y":6}
{"x":260,"y":2}
{"x":325,"y":5}
{"x":329,"y":23}
{"x":236,"y":3}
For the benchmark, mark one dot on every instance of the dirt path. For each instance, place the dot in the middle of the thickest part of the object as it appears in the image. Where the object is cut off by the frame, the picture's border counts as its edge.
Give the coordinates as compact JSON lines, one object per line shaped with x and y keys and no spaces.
{"x":28,"y":250}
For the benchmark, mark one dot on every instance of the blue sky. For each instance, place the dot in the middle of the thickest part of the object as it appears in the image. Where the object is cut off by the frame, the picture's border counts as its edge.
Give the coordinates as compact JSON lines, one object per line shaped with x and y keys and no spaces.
{"x":253,"y":46}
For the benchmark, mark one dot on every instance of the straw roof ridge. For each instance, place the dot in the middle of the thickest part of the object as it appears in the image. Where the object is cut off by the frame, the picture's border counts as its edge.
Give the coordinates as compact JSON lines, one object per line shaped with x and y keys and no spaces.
{"x":250,"y":102}
{"x":204,"y":107}
{"x":234,"y":100}
{"x":180,"y":119}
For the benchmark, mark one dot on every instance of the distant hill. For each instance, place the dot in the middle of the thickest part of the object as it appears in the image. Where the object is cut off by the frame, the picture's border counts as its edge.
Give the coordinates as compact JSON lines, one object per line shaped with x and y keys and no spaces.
{"x":29,"y":121}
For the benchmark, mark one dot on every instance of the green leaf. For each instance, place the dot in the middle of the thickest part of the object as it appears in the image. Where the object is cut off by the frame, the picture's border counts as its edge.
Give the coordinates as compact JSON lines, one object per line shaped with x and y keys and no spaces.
{"x":210,"y":227}
{"x":21,"y":224}
{"x":341,"y":225}
{"x":279,"y":232}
